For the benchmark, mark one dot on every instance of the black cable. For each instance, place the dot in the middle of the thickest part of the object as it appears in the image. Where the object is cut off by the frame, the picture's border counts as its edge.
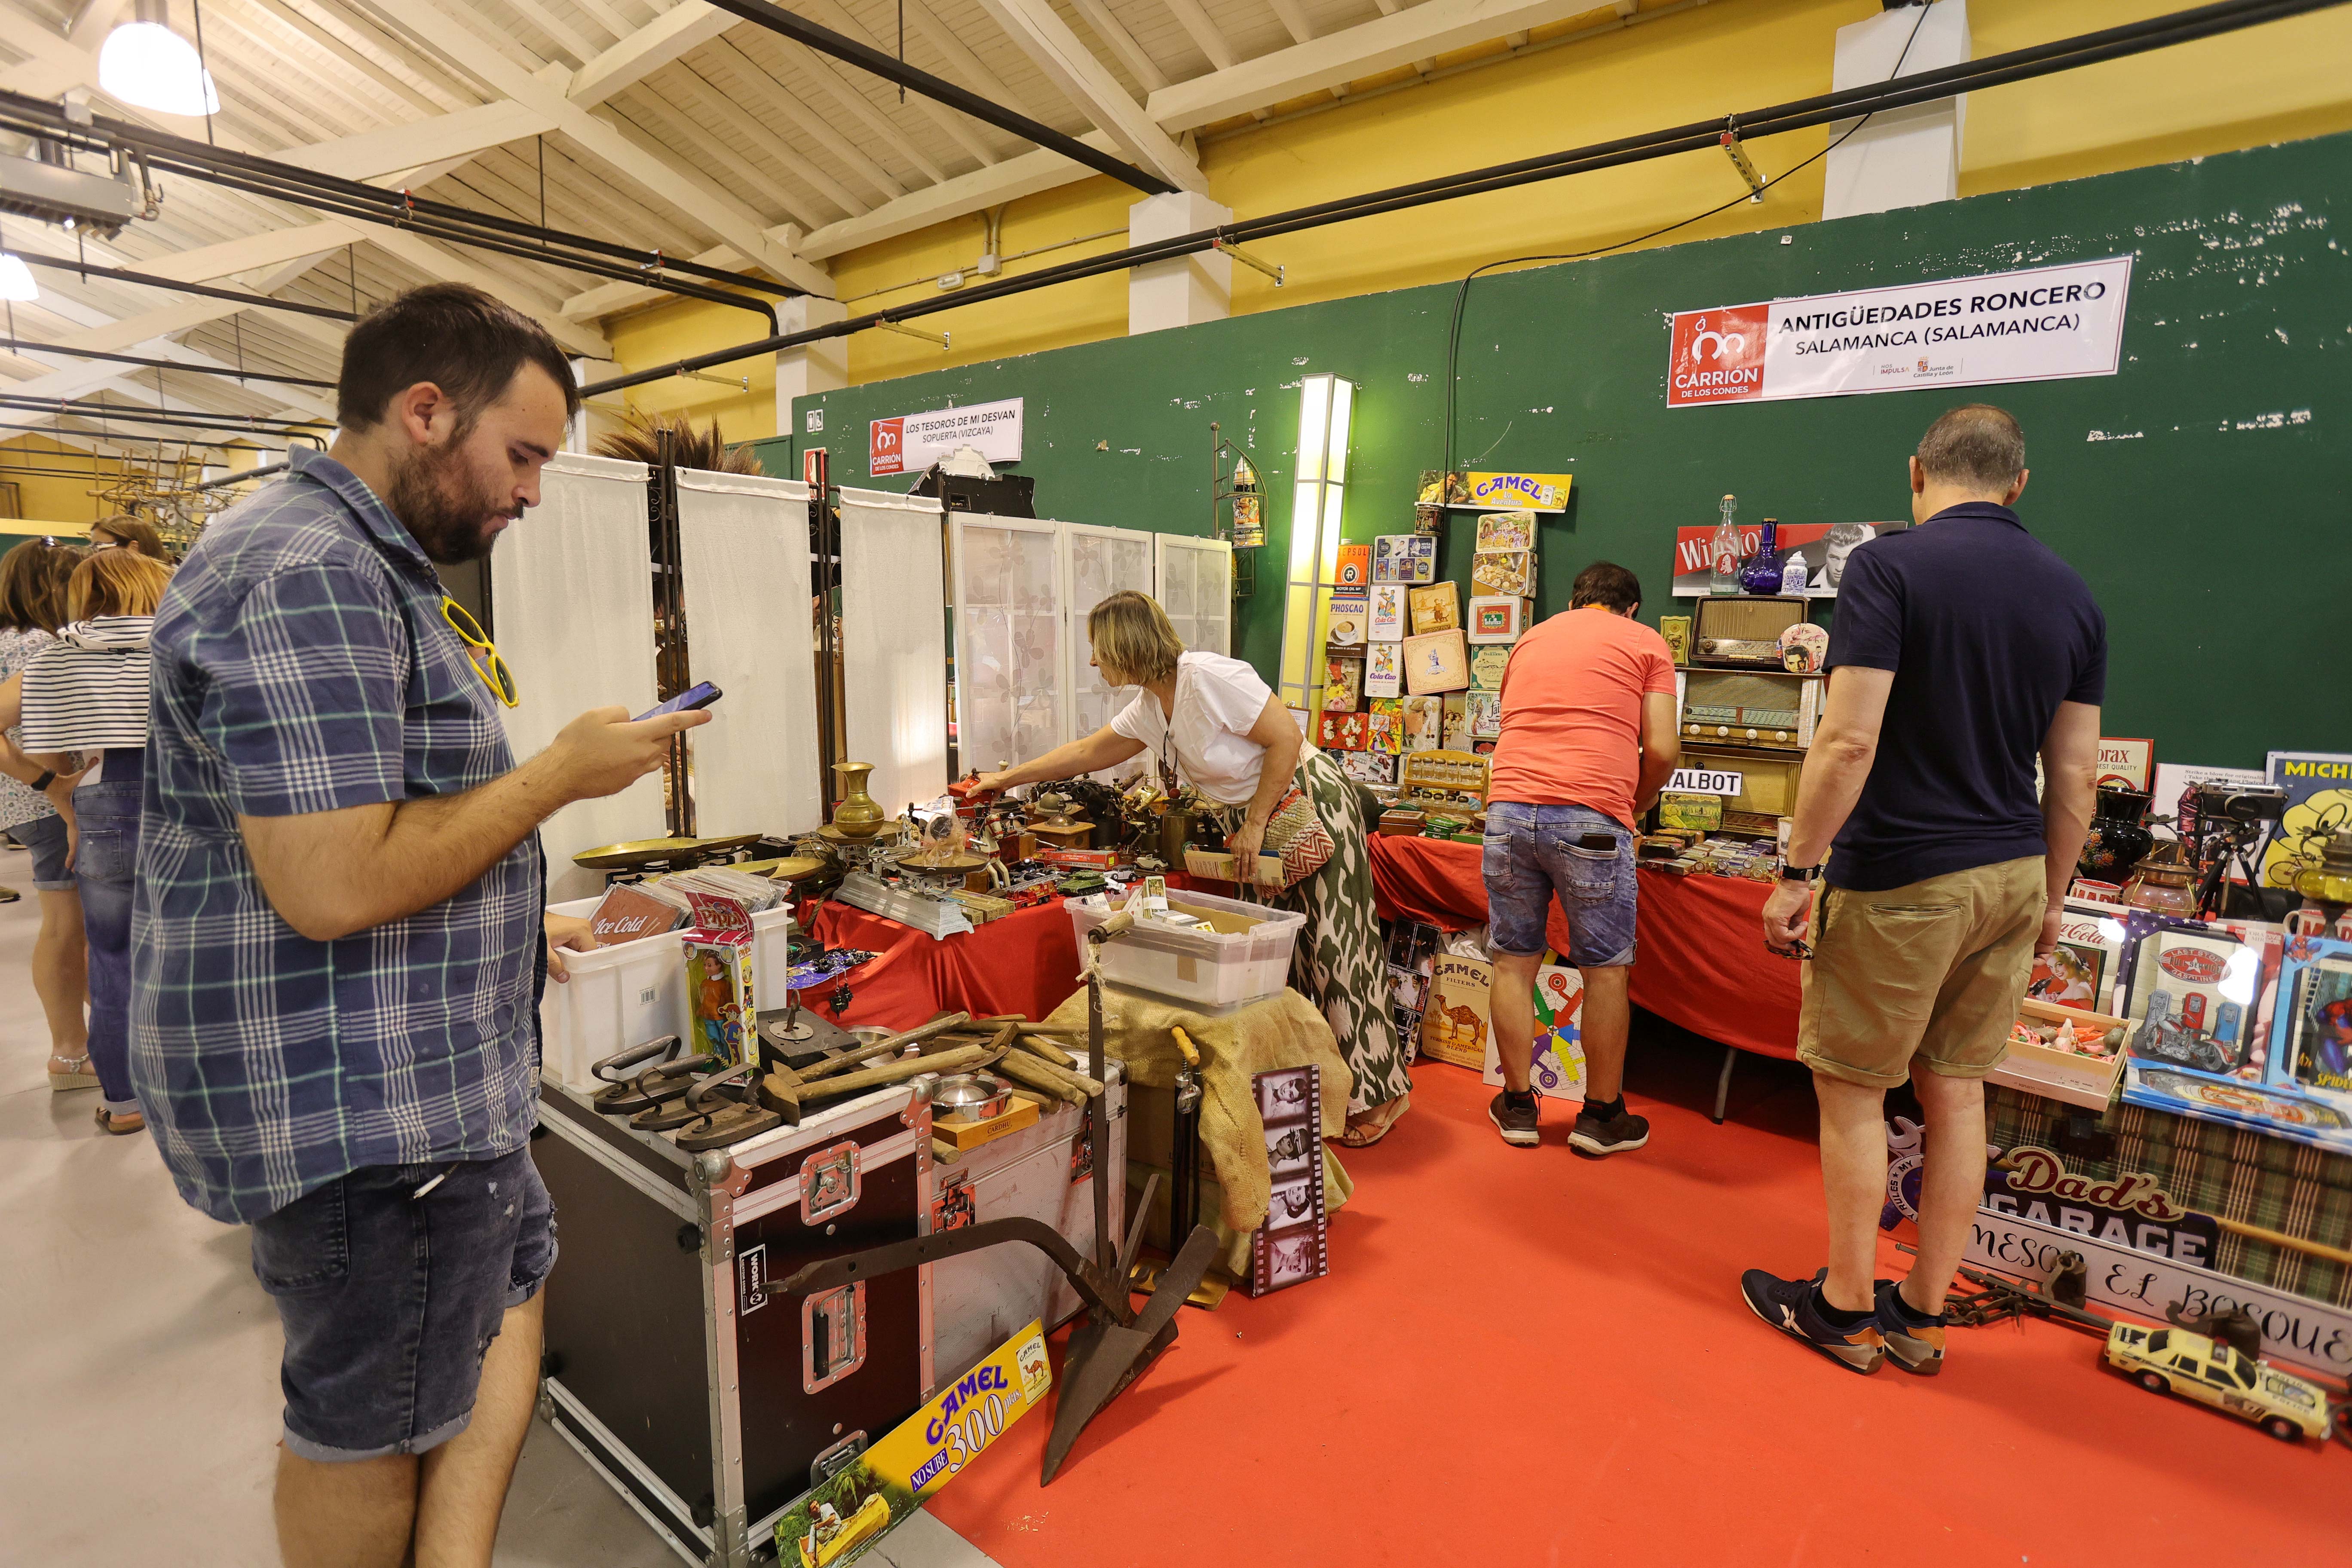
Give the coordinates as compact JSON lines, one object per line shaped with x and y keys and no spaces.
{"x":1461,"y":294}
{"x":142,"y":360}
{"x":127,"y":275}
{"x":204,"y":75}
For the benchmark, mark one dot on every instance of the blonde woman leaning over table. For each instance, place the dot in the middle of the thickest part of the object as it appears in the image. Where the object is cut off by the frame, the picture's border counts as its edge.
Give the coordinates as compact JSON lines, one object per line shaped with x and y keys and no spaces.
{"x":1209,"y":723}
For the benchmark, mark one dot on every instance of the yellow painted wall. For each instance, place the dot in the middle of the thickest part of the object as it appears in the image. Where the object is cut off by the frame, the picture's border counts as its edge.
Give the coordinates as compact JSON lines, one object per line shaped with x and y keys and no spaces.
{"x":51,"y":504}
{"x":2277,"y":82}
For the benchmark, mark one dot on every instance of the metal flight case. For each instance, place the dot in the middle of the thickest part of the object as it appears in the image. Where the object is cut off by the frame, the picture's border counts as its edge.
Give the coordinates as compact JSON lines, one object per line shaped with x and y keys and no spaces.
{"x":707,"y":1398}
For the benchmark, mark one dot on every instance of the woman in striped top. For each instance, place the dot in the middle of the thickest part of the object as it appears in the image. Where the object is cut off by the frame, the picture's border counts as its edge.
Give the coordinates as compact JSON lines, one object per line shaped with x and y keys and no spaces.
{"x":87,"y":694}
{"x":32,"y":607}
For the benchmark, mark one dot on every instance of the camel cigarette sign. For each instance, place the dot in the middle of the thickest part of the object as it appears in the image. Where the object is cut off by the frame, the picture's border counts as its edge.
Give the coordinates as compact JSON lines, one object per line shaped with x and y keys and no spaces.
{"x":2045,"y":323}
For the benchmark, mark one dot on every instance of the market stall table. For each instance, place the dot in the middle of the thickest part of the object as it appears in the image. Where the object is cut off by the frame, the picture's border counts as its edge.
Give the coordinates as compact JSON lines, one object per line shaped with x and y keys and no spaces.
{"x":1700,"y":960}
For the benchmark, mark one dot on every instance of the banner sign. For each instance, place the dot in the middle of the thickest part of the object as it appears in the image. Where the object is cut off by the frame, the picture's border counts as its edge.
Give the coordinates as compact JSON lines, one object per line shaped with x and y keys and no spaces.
{"x":835,"y":1521}
{"x":1704,"y":780}
{"x":2045,"y":323}
{"x":1516,"y":492}
{"x":2295,"y":1330}
{"x":913,"y":442}
{"x":1825,"y":546}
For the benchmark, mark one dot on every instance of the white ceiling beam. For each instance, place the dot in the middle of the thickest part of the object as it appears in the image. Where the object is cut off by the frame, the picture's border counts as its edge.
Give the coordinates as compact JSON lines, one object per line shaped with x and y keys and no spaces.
{"x":1195,"y":21}
{"x":1294,"y":20}
{"x":555,"y":27}
{"x":685,"y":26}
{"x":1026,"y":175}
{"x":843,"y":92}
{"x":834,"y":15}
{"x":398,"y":149}
{"x":968,"y":65}
{"x":668,"y":131}
{"x":1368,"y":49}
{"x":697,"y":199}
{"x":1045,"y":37}
{"x":384,"y":68}
{"x":779,"y":101}
{"x":1122,"y":43}
{"x":1389,"y":8}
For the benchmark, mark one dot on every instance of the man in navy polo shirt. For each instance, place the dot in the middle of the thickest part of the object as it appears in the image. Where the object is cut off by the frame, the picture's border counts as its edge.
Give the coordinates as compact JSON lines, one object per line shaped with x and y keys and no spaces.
{"x":337,"y":941}
{"x":1962,"y":649}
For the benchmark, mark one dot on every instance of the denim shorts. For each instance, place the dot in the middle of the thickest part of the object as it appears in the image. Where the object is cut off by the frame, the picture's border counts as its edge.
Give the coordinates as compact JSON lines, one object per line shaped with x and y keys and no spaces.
{"x":1533,"y":854}
{"x":391,"y":1300}
{"x":45,"y":838}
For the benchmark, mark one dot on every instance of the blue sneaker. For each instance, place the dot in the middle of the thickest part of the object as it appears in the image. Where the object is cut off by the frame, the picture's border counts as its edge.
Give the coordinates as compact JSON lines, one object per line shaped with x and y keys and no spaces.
{"x":1787,"y":1306}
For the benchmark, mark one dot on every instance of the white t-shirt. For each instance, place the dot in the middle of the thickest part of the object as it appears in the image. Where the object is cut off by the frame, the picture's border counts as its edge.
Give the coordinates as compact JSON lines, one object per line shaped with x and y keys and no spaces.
{"x":1217,"y":700}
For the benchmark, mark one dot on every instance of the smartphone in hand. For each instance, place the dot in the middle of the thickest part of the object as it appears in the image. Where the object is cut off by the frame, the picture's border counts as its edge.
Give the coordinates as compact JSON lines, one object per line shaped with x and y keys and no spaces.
{"x":701,"y":694}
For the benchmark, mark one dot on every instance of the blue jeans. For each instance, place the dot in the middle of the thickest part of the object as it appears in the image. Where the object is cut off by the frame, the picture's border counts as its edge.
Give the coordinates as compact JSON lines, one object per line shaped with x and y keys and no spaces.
{"x":108,"y":816}
{"x":392,"y":1281}
{"x":1535,"y":853}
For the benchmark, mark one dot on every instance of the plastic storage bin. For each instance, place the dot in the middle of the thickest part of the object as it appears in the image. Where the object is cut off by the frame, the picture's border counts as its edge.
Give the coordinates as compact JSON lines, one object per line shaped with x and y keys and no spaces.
{"x":1210,"y":969}
{"x":625,"y":995}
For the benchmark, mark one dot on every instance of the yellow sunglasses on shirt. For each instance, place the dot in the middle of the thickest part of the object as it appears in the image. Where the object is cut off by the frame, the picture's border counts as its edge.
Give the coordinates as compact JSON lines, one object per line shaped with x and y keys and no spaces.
{"x":482,"y":653}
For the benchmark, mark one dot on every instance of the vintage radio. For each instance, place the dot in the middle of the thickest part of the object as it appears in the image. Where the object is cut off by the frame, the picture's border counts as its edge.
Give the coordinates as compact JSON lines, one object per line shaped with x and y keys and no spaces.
{"x":1743,"y":708}
{"x":1767,"y":783}
{"x":1741,"y":632}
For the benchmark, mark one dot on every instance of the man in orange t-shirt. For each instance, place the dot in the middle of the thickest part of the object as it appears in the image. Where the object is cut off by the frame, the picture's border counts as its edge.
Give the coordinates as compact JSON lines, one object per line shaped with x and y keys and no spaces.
{"x":1588,"y":741}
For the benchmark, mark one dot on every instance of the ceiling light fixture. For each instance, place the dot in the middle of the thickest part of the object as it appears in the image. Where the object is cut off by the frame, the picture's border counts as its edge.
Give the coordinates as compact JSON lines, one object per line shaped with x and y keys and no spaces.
{"x":17,"y":284}
{"x":144,"y":63}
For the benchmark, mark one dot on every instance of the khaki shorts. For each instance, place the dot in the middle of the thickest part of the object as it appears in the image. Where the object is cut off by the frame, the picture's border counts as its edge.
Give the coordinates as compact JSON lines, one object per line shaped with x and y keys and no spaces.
{"x":1934,"y":970}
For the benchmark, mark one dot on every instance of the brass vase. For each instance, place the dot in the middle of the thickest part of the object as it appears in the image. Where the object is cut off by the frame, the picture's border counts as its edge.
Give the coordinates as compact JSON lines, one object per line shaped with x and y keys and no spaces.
{"x":857,"y":816}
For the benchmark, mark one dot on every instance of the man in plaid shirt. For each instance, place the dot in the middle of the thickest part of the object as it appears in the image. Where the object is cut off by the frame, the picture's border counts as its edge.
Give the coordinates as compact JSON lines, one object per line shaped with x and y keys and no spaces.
{"x":338,"y":937}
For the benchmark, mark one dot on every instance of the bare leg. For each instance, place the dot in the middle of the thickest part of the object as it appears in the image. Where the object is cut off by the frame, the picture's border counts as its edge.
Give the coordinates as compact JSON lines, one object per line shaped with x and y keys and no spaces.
{"x":1607,"y":1017}
{"x":466,"y":1479}
{"x":1952,"y":1184}
{"x":1511,"y":1014}
{"x":61,"y":972}
{"x":354,"y":1515}
{"x":1853,"y":1177}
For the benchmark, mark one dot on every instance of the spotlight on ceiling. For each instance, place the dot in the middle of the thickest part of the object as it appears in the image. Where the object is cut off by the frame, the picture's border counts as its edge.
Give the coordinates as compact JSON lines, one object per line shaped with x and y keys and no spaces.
{"x":143,"y":62}
{"x":16,"y":280}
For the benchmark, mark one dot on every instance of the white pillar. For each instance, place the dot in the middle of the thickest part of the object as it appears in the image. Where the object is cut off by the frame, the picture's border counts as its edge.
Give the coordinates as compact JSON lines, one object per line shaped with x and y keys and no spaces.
{"x":1910,"y":156}
{"x":600,"y":414}
{"x":820,"y":366}
{"x":1190,"y":289}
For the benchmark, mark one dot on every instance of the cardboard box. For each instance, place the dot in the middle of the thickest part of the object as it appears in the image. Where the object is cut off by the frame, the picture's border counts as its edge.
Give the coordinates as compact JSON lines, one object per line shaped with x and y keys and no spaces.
{"x":1223,"y":866}
{"x":1558,"y":1065}
{"x":1454,"y":1028}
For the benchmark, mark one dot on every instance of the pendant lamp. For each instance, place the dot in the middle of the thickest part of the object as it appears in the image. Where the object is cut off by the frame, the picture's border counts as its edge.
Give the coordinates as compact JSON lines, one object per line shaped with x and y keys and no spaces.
{"x":144,"y":63}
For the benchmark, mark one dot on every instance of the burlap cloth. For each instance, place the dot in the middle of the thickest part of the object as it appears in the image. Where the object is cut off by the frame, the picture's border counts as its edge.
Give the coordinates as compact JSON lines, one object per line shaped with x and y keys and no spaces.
{"x":1282,"y":1031}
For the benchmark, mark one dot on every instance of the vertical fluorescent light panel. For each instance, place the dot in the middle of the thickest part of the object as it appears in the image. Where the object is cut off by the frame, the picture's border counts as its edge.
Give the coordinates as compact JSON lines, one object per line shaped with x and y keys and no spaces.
{"x":1326,"y":410}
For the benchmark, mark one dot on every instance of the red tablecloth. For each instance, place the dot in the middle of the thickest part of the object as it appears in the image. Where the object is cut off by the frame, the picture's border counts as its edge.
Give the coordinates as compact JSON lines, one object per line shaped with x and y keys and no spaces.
{"x":1700,"y":963}
{"x":1026,"y":963}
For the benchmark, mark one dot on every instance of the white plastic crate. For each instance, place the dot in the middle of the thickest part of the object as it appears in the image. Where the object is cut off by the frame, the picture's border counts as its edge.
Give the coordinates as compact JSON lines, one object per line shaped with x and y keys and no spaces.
{"x":1212,"y":969}
{"x":625,"y":995}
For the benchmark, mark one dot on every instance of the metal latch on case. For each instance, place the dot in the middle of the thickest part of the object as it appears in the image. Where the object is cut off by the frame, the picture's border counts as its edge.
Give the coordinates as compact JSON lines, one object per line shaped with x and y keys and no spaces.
{"x":829,"y":1183}
{"x":832,"y":1335}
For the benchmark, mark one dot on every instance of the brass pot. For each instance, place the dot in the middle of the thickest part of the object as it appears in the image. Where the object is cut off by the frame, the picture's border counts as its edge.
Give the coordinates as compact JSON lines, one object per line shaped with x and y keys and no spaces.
{"x":857,"y":816}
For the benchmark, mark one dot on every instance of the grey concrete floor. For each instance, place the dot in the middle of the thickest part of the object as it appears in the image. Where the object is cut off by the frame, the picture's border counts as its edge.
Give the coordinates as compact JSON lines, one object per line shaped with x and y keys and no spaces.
{"x":142,"y":1386}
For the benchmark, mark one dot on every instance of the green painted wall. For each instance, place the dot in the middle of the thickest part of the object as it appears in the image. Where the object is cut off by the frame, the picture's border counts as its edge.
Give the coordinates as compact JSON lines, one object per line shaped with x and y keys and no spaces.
{"x":2203,"y":490}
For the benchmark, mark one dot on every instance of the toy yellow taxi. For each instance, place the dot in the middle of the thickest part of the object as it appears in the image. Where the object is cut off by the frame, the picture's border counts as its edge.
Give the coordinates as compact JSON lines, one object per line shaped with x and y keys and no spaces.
{"x":2177,"y":1362}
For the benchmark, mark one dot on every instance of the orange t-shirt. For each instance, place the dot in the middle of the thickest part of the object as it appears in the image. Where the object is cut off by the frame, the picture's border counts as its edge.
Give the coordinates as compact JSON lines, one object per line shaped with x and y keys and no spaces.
{"x":1572,"y":711}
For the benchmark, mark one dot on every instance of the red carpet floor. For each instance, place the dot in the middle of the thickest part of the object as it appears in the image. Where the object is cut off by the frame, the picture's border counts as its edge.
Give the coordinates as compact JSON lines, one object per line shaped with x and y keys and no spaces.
{"x":1525,"y":1357}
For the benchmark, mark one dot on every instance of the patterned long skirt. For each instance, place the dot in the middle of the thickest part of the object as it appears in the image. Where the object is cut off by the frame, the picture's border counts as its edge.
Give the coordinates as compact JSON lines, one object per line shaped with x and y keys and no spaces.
{"x":1338,"y":964}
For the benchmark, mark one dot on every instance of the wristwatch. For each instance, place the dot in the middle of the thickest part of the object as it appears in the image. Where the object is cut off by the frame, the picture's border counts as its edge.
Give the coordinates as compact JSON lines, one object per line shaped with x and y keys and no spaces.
{"x":1800,"y":873}
{"x":48,"y":776}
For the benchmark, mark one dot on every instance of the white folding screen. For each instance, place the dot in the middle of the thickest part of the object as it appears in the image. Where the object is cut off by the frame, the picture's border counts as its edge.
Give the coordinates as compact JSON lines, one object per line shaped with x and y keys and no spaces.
{"x":571,"y":599}
{"x":744,"y":547}
{"x":1102,"y":562}
{"x":895,"y":644}
{"x":1195,"y":579}
{"x":1012,"y":685}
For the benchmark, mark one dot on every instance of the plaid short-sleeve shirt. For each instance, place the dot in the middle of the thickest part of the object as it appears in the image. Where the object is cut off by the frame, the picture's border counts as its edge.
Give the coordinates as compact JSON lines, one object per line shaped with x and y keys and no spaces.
{"x":301,"y":664}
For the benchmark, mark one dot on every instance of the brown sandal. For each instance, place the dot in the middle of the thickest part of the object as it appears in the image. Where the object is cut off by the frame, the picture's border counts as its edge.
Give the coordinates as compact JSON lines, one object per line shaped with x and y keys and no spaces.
{"x":120,"y":1126}
{"x":1364,"y":1131}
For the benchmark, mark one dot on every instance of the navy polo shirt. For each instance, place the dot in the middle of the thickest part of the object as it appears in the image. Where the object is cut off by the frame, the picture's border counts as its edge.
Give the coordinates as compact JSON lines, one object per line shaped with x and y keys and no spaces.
{"x":1987,"y":631}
